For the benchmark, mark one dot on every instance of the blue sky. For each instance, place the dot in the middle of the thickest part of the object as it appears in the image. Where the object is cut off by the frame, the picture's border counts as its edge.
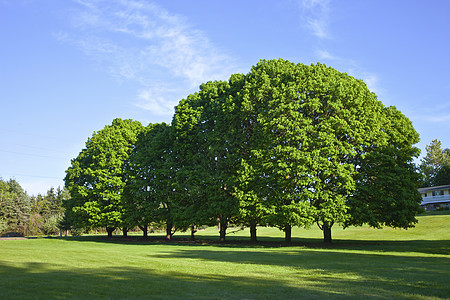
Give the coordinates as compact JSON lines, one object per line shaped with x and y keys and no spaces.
{"x":68,"y":68}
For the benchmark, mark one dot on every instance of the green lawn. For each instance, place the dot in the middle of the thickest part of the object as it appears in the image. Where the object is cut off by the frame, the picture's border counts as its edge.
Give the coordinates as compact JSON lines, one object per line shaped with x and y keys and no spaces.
{"x":362,"y":263}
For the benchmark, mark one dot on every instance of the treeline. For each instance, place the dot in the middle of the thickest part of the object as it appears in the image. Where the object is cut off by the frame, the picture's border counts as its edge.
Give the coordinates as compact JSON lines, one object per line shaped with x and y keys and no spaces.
{"x":21,"y":214}
{"x":284,"y":145}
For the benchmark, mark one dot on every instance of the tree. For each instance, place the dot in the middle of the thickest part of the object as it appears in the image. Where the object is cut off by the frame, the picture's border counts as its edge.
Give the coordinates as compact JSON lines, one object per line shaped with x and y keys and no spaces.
{"x":386,"y":184}
{"x":206,"y":149}
{"x":139,"y":209}
{"x":270,"y":171}
{"x":96,"y":178}
{"x":14,"y":206}
{"x":286,"y":145}
{"x":151,"y":190}
{"x":316,"y":127}
{"x":435,"y":159}
{"x":442,"y":176}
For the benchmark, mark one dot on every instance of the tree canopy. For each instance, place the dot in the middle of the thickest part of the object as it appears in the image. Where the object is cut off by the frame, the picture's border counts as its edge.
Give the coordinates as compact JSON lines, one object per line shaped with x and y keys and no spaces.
{"x":96,"y":178}
{"x":284,"y":145}
{"x":318,"y":129}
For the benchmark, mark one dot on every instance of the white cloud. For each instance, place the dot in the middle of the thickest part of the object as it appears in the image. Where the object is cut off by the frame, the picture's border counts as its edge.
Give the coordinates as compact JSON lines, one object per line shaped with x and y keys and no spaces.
{"x":141,"y":41}
{"x":325,"y":55}
{"x":316,"y":14}
{"x":159,"y":99}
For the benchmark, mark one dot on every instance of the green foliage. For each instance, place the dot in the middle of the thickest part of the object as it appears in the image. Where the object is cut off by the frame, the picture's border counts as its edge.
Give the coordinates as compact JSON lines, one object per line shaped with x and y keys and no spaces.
{"x":14,"y":206}
{"x":442,"y":176}
{"x":314,"y":128}
{"x":34,"y":224}
{"x":431,"y":165}
{"x":150,"y":194}
{"x":51,"y":225}
{"x":3,"y":224}
{"x":206,"y":146}
{"x":47,"y":212}
{"x":285,"y":145}
{"x":75,"y":231}
{"x":387,"y":181}
{"x":96,"y":178}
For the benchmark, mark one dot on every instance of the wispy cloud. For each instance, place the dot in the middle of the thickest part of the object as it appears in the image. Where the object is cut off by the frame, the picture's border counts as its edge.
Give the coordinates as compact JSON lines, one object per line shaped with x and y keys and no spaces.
{"x":442,"y":118}
{"x":316,"y":14}
{"x":325,"y":55}
{"x":143,"y":42}
{"x":435,"y":114}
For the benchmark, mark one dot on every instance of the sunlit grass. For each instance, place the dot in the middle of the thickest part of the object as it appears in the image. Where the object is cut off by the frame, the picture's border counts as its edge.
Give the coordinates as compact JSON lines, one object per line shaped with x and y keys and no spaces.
{"x":363,"y":263}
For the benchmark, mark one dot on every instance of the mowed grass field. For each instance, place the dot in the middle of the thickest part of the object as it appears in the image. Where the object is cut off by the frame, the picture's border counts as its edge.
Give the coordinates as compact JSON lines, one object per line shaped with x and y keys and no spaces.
{"x":362,"y":263}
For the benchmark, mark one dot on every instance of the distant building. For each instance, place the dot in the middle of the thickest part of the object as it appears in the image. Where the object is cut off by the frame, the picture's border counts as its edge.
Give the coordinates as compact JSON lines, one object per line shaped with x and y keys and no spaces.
{"x":435,"y":197}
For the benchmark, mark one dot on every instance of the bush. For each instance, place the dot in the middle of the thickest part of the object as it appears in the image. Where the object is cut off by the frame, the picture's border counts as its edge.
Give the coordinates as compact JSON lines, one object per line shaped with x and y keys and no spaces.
{"x":50,"y":226}
{"x":443,"y":208}
{"x":34,"y":225}
{"x":76,"y":231}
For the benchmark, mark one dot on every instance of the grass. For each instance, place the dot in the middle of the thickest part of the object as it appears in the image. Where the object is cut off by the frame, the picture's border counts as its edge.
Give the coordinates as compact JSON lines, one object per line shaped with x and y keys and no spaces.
{"x":362,"y":263}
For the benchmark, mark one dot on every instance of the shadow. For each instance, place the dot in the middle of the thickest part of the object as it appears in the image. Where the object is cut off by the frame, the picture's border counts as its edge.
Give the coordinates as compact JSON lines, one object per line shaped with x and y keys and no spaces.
{"x":347,"y":273}
{"x":419,"y":246}
{"x":41,"y":281}
{"x":219,"y":273}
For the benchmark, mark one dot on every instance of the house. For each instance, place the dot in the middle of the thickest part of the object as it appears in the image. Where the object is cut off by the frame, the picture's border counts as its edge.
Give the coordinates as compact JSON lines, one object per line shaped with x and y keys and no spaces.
{"x":436,"y":197}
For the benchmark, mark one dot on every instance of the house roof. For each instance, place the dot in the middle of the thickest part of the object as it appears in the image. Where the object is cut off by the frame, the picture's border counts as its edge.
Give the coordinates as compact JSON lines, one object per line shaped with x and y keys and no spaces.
{"x":434,"y":188}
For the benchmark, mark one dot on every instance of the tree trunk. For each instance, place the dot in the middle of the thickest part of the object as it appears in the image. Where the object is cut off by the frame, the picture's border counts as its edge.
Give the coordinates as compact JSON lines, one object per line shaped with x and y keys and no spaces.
{"x":223,"y":224}
{"x":288,"y":233}
{"x":253,"y":237}
{"x":326,"y":233}
{"x":144,"y":229}
{"x":110,"y":230}
{"x":125,"y":231}
{"x":193,"y":231}
{"x":169,"y":231}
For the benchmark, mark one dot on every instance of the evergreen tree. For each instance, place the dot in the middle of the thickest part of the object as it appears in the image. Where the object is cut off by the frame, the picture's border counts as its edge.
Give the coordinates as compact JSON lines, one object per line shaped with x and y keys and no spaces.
{"x":14,"y":206}
{"x":435,"y":159}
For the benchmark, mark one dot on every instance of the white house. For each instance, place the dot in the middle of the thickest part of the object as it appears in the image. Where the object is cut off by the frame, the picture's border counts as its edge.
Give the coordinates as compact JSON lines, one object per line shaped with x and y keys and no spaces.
{"x":435,"y":197}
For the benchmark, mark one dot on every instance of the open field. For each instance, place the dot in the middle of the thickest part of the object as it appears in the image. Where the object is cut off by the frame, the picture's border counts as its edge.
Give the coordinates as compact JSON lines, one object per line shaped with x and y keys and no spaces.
{"x":362,"y":263}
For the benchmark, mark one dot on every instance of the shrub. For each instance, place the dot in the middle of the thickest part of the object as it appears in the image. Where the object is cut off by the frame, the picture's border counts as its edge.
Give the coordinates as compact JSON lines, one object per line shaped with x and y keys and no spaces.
{"x":50,"y":226}
{"x":76,"y":231}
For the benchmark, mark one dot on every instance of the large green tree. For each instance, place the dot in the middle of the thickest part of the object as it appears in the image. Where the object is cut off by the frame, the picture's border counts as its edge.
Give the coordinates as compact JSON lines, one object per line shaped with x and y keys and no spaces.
{"x":150,"y":195}
{"x":206,"y":148}
{"x":387,"y":180}
{"x":317,"y":124}
{"x":272,"y":166}
{"x":96,"y":178}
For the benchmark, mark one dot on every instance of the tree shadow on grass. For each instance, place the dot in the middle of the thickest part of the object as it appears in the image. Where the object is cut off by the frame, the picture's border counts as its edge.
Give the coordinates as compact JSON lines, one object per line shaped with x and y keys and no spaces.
{"x":419,"y":246}
{"x":347,"y":268}
{"x":360,"y":274}
{"x":43,"y":281}
{"x":246,"y":274}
